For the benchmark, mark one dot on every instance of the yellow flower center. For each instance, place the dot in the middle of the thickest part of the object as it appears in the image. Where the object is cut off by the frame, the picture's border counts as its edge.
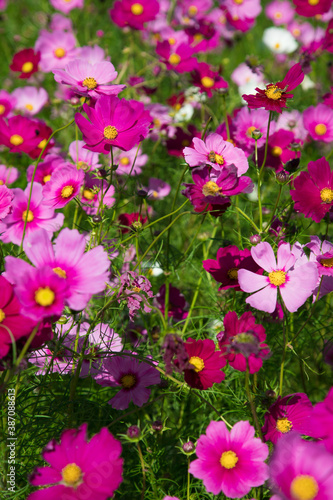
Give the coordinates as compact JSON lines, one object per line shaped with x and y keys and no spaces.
{"x":27,"y":67}
{"x":210,"y":189}
{"x":277,"y":15}
{"x":198,"y":37}
{"x":277,"y":278}
{"x":284,"y":425}
{"x":320,"y":129}
{"x":229,"y":459}
{"x":42,"y":144}
{"x":2,"y":109}
{"x":326,"y":195}
{"x":60,"y":272}
{"x":198,"y":363}
{"x":44,"y":296}
{"x":250,"y":130}
{"x":71,"y":475}
{"x":16,"y":140}
{"x":137,"y":9}
{"x":273,"y":92}
{"x":327,"y":262}
{"x":313,"y":2}
{"x":1,"y":183}
{"x":110,"y":132}
{"x":154,"y":194}
{"x":59,"y":53}
{"x":124,"y":161}
{"x":238,"y":2}
{"x":88,"y":194}
{"x":276,"y":151}
{"x":192,"y":10}
{"x":174,"y":59}
{"x":233,"y":273}
{"x":296,"y":32}
{"x":2,"y":315}
{"x":172,"y":41}
{"x":90,"y":83}
{"x":128,"y":381}
{"x":207,"y":82}
{"x":46,"y":178}
{"x":244,"y":338}
{"x":67,"y":191}
{"x":136,"y":289}
{"x":30,"y":216}
{"x":219,"y":159}
{"x":304,"y":487}
{"x":277,"y":45}
{"x":29,"y":107}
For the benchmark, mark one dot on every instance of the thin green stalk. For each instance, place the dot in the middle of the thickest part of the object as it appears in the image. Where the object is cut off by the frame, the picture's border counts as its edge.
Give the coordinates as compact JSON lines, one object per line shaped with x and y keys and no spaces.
{"x":285,"y":343}
{"x":260,"y":173}
{"x":188,"y":478}
{"x":143,"y":472}
{"x":250,"y":399}
{"x":247,"y":218}
{"x":275,"y":207}
{"x":225,"y":114}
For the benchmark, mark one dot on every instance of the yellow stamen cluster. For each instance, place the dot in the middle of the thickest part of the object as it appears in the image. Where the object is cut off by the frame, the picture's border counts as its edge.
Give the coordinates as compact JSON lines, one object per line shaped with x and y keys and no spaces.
{"x":44,"y":296}
{"x":124,"y":161}
{"x":304,"y":487}
{"x":46,"y":178}
{"x":192,"y":10}
{"x":29,"y":107}
{"x":327,"y":262}
{"x":2,"y":109}
{"x":273,"y":92}
{"x":233,"y":273}
{"x":174,"y":59}
{"x":198,"y":363}
{"x":320,"y":129}
{"x":277,"y":278}
{"x":110,"y":132}
{"x":59,"y":53}
{"x":229,"y":459}
{"x":16,"y":140}
{"x":88,"y":194}
{"x":276,"y":151}
{"x":326,"y":195}
{"x":67,"y":191}
{"x":60,"y":272}
{"x":90,"y":83}
{"x":207,"y":82}
{"x":210,"y":189}
{"x":283,"y":425}
{"x":27,"y":67}
{"x":250,"y":130}
{"x":2,"y":315}
{"x":137,"y":9}
{"x":128,"y":381}
{"x":30,"y":217}
{"x":313,"y":2}
{"x":72,"y":475}
{"x":42,"y":144}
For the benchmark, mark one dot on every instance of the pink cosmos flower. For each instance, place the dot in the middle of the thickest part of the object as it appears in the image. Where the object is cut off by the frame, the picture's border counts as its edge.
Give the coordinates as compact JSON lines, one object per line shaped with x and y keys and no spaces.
{"x":60,"y":22}
{"x":248,"y":9}
{"x":43,"y":132}
{"x":280,"y":12}
{"x":207,"y":79}
{"x":178,"y":58}
{"x":18,"y":133}
{"x":83,"y":273}
{"x":12,"y":323}
{"x":46,"y":168}
{"x":84,"y":159}
{"x":203,"y":35}
{"x":158,"y":189}
{"x":134,"y":13}
{"x":30,"y":100}
{"x":217,"y":153}
{"x":295,"y":283}
{"x":204,"y":364}
{"x":41,"y":292}
{"x":291,"y":413}
{"x":313,"y":193}
{"x":278,"y":151}
{"x":132,"y":376}
{"x":26,"y":62}
{"x":125,"y":161}
{"x":229,"y":260}
{"x":212,"y":192}
{"x":242,"y":342}
{"x":136,"y":290}
{"x":323,"y":253}
{"x":90,"y":80}
{"x":8,"y":175}
{"x":230,"y":462}
{"x":56,"y":49}
{"x":96,"y":194}
{"x":113,"y":122}
{"x":6,"y":199}
{"x":66,"y":6}
{"x":92,"y":54}
{"x":39,"y":216}
{"x":275,"y":96}
{"x":7,"y":103}
{"x":245,"y":122}
{"x":322,"y":420}
{"x":79,"y":468}
{"x":292,"y":121}
{"x":300,"y":469}
{"x":64,"y":185}
{"x":318,"y":121}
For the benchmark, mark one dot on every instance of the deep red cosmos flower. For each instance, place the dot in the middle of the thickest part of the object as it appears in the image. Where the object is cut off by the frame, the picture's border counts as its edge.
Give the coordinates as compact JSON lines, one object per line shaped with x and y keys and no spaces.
{"x":127,"y":220}
{"x":274,"y":97}
{"x":26,"y":61}
{"x":206,"y":362}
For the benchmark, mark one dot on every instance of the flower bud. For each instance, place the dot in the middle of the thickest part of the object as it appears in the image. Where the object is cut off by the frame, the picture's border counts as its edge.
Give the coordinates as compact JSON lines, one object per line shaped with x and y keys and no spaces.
{"x":188,"y":447}
{"x":133,"y":432}
{"x":157,"y":425}
{"x":256,"y":134}
{"x":142,"y":193}
{"x":102,"y":173}
{"x":137,"y":225}
{"x":97,"y":219}
{"x":255,"y":239}
{"x":282,"y":177}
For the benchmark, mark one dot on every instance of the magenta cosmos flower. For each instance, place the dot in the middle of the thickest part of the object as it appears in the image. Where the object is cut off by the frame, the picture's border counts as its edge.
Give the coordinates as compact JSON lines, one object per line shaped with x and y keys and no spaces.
{"x":113,"y":122}
{"x":230,"y":462}
{"x":295,"y":283}
{"x":12,"y":324}
{"x":79,"y":468}
{"x":46,"y":168}
{"x":90,"y":80}
{"x":217,"y":153}
{"x":242,"y":342}
{"x":245,"y":122}
{"x":83,"y":273}
{"x":64,"y":185}
{"x":26,"y":62}
{"x":131,"y":376}
{"x":134,"y":13}
{"x":311,"y":8}
{"x":322,"y":421}
{"x":318,"y":121}
{"x":211,"y":192}
{"x":7,"y":103}
{"x":301,"y":470}
{"x":19,"y":134}
{"x":207,"y":80}
{"x":293,"y":412}
{"x":8,"y":175}
{"x":274,"y":97}
{"x":6,"y":198}
{"x":177,"y":57}
{"x":66,"y":6}
{"x":39,"y":216}
{"x":313,"y":193}
{"x":227,"y":264}
{"x":206,"y":364}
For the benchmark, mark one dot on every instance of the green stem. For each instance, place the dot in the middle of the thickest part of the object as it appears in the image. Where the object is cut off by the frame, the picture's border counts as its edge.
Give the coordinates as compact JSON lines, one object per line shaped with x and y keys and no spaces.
{"x":260,"y":173}
{"x":249,"y":397}
{"x":143,"y":472}
{"x":247,"y":218}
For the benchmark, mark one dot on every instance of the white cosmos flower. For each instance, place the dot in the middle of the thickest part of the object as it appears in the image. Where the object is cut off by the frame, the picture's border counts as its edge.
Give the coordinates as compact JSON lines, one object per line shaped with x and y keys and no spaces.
{"x":279,"y":40}
{"x":184,"y":114}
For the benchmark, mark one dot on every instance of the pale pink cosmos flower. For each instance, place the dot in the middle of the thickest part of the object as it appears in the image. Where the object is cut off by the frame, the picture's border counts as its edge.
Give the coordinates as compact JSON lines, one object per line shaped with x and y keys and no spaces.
{"x":217,"y":153}
{"x":6,"y":198}
{"x":30,"y":100}
{"x":92,"y":55}
{"x":39,"y":216}
{"x":318,"y":121}
{"x":96,"y":194}
{"x":292,"y":121}
{"x":89,"y":80}
{"x":126,"y":163}
{"x":158,"y":189}
{"x":56,"y":49}
{"x":131,"y":376}
{"x":60,"y":22}
{"x":63,"y":186}
{"x":83,"y":158}
{"x":245,"y":122}
{"x":84,"y":273}
{"x":8,"y":175}
{"x":295,"y":283}
{"x":248,"y":9}
{"x":66,"y":6}
{"x":280,"y":12}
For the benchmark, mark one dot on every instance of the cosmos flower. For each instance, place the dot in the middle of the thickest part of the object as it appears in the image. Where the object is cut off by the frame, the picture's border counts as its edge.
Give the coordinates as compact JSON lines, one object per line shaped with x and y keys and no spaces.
{"x":64,"y":185}
{"x":56,"y":49}
{"x":230,"y":462}
{"x":46,"y":168}
{"x":6,"y":198}
{"x":177,"y":303}
{"x":318,"y":121}
{"x":79,"y":468}
{"x":7,"y":103}
{"x":207,"y":80}
{"x":204,"y":363}
{"x":30,"y":100}
{"x":279,"y":40}
{"x":26,"y":62}
{"x":66,"y":6}
{"x":83,"y":158}
{"x":311,"y":9}
{"x":134,"y":13}
{"x":245,"y":122}
{"x":18,"y":133}
{"x":280,"y":12}
{"x":178,"y":58}
{"x":322,"y":421}
{"x":295,"y":283}
{"x":275,"y":96}
{"x":8,"y":175}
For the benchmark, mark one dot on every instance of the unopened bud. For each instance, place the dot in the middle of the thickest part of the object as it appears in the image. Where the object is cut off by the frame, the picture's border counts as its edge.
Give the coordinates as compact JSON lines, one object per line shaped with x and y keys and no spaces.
{"x":102,"y":173}
{"x":292,"y":165}
{"x":97,"y":219}
{"x":255,"y":239}
{"x":188,"y":447}
{"x":157,"y":426}
{"x":295,"y":146}
{"x":282,"y":177}
{"x":114,"y":167}
{"x":133,"y":432}
{"x":142,"y":193}
{"x":256,"y":134}
{"x":137,"y":225}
